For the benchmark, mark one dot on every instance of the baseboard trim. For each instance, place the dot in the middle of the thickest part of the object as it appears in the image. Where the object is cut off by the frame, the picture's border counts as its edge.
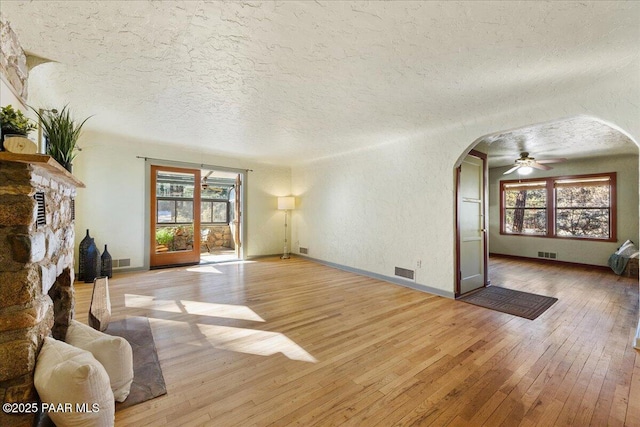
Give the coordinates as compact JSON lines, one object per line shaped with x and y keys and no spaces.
{"x":395,"y":281}
{"x":551,"y":261}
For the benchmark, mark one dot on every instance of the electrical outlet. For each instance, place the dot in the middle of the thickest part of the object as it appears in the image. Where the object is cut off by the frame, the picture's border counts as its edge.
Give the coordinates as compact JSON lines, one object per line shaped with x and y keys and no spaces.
{"x":419,"y":263}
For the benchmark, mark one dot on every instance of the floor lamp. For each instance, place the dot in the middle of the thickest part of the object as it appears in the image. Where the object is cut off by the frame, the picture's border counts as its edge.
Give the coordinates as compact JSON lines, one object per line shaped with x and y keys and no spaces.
{"x":286,"y":204}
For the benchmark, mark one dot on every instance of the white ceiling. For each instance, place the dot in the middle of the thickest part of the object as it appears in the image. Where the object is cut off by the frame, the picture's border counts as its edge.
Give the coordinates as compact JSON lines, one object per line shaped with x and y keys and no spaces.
{"x":285,"y":82}
{"x":572,"y":138}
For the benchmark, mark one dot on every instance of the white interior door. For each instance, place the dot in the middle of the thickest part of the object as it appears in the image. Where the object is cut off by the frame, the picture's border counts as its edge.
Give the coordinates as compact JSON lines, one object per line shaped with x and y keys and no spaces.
{"x":472,"y":232}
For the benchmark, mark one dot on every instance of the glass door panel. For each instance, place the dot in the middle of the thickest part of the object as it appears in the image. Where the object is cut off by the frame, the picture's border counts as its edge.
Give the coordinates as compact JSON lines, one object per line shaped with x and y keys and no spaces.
{"x":175,"y":216}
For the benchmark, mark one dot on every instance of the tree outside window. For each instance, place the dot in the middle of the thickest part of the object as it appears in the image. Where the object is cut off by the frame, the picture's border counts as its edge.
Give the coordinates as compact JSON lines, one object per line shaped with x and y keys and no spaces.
{"x":525,"y":208}
{"x":579,"y":207}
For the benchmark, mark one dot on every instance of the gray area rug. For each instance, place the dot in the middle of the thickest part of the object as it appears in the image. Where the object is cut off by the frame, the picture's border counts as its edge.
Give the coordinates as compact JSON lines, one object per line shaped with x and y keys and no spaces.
{"x":517,"y":303}
{"x":148,"y":381}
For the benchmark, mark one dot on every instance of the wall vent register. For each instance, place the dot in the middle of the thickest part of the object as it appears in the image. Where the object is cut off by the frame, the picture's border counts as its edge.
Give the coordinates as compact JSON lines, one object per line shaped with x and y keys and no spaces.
{"x":41,"y":218}
{"x":406,"y":273}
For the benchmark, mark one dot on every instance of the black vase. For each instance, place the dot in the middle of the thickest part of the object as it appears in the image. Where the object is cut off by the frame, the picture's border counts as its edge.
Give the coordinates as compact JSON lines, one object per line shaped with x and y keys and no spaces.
{"x":82,"y":256}
{"x":92,"y":262}
{"x":107,"y":264}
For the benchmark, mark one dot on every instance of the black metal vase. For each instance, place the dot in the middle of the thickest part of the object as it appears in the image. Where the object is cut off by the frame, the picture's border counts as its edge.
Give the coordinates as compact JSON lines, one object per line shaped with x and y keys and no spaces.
{"x":92,"y":262}
{"x":82,"y":256}
{"x":107,"y":264}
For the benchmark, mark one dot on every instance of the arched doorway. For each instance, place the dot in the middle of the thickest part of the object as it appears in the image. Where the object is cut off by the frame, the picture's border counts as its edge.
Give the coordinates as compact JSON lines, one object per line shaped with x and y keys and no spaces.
{"x":585,"y":142}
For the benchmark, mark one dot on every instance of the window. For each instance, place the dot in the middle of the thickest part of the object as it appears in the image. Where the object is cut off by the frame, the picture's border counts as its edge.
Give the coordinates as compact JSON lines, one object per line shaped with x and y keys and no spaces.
{"x":214,"y":212}
{"x":214,"y":208}
{"x":576,"y":207}
{"x":525,"y":207}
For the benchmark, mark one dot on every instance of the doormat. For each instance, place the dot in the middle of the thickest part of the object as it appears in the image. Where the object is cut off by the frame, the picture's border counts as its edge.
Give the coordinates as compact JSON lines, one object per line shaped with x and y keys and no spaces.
{"x":148,"y":381}
{"x":517,"y":303}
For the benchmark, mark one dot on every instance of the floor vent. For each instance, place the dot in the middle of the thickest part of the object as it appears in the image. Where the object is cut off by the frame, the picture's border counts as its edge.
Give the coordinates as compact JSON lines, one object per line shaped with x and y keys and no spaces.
{"x":403,"y":272}
{"x":550,"y":255}
{"x":304,"y":251}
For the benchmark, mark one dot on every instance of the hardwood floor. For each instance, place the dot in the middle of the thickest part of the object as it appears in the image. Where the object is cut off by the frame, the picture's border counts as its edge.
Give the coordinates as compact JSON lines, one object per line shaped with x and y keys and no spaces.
{"x":291,"y":342}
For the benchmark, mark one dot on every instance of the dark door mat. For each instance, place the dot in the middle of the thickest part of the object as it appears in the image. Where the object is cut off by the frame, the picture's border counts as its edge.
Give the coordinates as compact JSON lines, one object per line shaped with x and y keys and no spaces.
{"x":148,"y":381}
{"x":517,"y":303}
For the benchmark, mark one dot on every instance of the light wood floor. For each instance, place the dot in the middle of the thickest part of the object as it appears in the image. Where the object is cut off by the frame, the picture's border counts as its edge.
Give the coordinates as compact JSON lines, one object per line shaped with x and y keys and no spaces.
{"x":291,"y":342}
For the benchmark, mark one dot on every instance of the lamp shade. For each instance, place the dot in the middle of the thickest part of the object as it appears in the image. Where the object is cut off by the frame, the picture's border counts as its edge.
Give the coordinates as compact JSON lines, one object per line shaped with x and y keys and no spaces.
{"x":286,"y":203}
{"x":525,"y":170}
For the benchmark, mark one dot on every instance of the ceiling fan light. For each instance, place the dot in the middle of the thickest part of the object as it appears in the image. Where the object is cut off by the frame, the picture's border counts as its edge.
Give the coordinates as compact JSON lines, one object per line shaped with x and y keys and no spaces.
{"x":525,"y":170}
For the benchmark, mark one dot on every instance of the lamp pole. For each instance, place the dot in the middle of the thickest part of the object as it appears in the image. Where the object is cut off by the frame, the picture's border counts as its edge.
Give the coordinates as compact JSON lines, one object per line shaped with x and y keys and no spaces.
{"x":286,"y":204}
{"x":285,"y":253}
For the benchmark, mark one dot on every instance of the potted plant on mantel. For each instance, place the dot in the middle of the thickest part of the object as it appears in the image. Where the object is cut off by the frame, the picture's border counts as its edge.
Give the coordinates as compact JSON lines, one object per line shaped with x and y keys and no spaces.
{"x":61,"y":132}
{"x":15,"y":128}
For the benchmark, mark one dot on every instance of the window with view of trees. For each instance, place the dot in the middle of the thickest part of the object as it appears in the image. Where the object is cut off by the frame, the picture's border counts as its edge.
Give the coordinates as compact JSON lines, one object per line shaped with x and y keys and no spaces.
{"x":525,"y":206}
{"x":581,"y":207}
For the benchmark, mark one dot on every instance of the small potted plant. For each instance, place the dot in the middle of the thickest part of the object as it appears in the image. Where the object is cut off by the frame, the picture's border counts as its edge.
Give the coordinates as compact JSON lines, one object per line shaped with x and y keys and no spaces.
{"x":61,"y":132}
{"x":14,"y":123}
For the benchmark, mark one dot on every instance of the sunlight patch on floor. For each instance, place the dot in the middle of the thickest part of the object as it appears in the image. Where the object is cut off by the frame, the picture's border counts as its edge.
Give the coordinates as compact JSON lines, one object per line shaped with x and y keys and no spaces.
{"x":204,"y":269}
{"x":239,"y":340}
{"x":228,"y":311}
{"x":262,"y":343}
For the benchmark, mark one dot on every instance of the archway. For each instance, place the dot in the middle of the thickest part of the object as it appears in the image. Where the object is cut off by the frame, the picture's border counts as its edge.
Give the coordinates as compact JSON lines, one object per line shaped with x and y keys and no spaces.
{"x":590,"y":145}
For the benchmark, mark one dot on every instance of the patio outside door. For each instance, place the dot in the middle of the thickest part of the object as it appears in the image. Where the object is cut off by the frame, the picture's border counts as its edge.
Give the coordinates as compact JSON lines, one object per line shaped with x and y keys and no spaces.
{"x":175,"y":216}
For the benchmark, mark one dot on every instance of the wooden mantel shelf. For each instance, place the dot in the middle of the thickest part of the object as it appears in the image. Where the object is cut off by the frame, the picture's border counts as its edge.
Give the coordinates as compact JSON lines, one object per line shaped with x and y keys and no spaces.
{"x":44,"y":162}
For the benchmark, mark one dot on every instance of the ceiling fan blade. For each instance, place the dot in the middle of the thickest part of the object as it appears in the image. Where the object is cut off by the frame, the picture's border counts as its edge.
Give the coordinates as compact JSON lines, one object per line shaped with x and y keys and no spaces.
{"x":558,"y":160}
{"x":511,"y":170}
{"x":540,"y":166}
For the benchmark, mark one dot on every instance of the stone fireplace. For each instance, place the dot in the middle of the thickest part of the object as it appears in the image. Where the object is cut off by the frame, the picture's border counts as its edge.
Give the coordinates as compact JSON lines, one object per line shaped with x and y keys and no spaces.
{"x":36,"y":268}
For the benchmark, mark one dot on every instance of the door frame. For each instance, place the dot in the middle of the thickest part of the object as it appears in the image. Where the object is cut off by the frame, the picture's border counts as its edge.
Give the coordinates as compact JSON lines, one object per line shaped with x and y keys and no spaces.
{"x":485,"y":191}
{"x":244,"y":176}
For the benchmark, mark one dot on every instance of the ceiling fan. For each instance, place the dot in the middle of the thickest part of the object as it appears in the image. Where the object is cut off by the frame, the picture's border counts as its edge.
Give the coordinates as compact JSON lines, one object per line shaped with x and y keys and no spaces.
{"x":526,"y":164}
{"x":206,"y":186}
{"x":203,"y":181}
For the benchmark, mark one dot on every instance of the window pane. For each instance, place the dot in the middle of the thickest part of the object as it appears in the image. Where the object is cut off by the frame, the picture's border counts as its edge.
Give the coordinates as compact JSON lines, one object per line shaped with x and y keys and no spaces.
{"x":526,"y":198}
{"x":583,"y":210}
{"x":205,"y":212}
{"x":215,"y":192}
{"x":174,"y":184}
{"x":174,"y":239}
{"x":166,"y":211}
{"x":184,"y":211}
{"x":592,"y":223}
{"x":164,"y":239}
{"x":582,"y":197}
{"x":219,"y":211}
{"x":526,"y":221}
{"x":526,"y":211}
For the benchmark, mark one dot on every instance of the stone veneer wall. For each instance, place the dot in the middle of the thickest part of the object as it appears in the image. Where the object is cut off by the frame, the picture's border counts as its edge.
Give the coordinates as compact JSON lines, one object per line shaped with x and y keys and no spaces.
{"x":13,"y":61}
{"x":36,"y":276}
{"x":219,"y":236}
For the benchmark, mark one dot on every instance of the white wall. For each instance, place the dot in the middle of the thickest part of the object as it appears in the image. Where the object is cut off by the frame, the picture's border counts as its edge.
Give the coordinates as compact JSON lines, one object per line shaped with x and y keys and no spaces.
{"x":584,"y":252}
{"x":112,"y":206}
{"x":8,"y":97}
{"x":379,"y":209}
{"x":393,"y":205}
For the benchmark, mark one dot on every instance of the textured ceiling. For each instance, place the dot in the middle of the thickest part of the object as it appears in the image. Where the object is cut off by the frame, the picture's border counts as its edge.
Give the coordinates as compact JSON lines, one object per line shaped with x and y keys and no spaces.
{"x":571,"y":138}
{"x":285,"y":82}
